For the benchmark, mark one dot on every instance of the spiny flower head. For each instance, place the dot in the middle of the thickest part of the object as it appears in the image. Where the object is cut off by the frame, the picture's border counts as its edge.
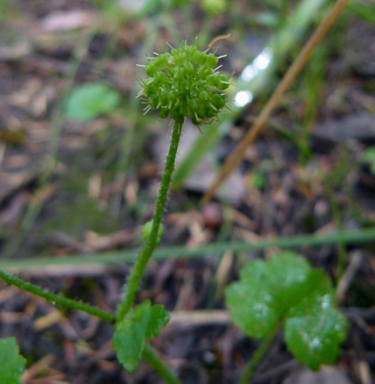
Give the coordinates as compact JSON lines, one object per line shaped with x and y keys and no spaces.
{"x":185,"y":82}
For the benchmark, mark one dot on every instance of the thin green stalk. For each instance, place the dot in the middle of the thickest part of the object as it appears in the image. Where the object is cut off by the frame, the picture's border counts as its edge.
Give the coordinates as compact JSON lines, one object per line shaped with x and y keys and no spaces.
{"x":341,"y":260}
{"x":258,"y":356}
{"x":55,"y":298}
{"x":163,"y":253}
{"x":158,"y":364}
{"x":147,"y":250}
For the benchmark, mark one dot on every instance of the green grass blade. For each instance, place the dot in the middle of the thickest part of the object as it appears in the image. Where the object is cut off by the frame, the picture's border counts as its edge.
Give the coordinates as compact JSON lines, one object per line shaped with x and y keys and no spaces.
{"x":163,"y":253}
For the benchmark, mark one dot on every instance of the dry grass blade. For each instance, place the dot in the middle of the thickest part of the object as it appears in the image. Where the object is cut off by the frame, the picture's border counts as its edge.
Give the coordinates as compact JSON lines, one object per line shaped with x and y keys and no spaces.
{"x":235,"y":158}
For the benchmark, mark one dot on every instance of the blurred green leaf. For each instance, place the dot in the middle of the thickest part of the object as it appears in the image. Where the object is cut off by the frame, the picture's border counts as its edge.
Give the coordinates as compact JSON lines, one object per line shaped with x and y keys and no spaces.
{"x":315,"y":339}
{"x":288,"y":276}
{"x":369,"y":158}
{"x":159,"y":317}
{"x":365,"y":11}
{"x":129,"y":338}
{"x":144,"y":322}
{"x":268,"y":19}
{"x":12,"y":364}
{"x":286,"y":287}
{"x":214,"y":7}
{"x":258,"y":180}
{"x":252,"y":305}
{"x":91,"y":100}
{"x":314,"y":329}
{"x":369,"y":154}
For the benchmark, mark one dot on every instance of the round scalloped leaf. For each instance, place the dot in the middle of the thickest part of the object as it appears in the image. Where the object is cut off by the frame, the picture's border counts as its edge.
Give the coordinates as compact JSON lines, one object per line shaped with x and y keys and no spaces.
{"x":314,"y":329}
{"x":315,"y":339}
{"x":251,"y":303}
{"x":321,"y":295}
{"x":12,"y":364}
{"x":89,"y":101}
{"x":288,"y":274}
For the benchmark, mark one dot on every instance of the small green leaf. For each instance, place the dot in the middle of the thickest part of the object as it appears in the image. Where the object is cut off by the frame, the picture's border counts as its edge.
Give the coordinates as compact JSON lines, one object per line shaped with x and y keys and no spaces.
{"x":12,"y":364}
{"x":288,"y":274}
{"x":315,"y":339}
{"x":129,"y":338}
{"x":251,"y":302}
{"x":314,"y":329}
{"x":91,"y":100}
{"x":320,"y":296}
{"x":266,"y":292}
{"x":159,"y":317}
{"x":286,"y":287}
{"x":144,"y":322}
{"x":369,"y":155}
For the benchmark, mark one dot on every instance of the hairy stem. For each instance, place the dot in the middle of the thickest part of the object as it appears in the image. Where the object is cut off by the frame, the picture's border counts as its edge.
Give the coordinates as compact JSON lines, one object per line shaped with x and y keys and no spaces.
{"x":258,"y":356}
{"x":158,"y":364}
{"x":55,"y":298}
{"x":147,"y":250}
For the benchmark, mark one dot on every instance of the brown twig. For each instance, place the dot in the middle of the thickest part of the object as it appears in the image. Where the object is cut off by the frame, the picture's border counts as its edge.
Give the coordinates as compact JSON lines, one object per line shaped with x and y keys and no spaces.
{"x":235,"y":158}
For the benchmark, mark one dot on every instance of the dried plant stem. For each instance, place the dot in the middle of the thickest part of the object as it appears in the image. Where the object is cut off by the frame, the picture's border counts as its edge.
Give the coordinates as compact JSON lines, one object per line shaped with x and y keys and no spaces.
{"x":147,"y":250}
{"x":235,"y":158}
{"x":55,"y":298}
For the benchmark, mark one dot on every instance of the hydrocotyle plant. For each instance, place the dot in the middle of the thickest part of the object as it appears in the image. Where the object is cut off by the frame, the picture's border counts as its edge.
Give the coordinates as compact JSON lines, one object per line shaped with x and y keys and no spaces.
{"x":184,"y":82}
{"x":287,"y":290}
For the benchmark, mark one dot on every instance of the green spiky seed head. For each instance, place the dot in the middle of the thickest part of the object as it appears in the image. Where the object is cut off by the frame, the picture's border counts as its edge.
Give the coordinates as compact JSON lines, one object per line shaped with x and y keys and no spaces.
{"x":184,"y":82}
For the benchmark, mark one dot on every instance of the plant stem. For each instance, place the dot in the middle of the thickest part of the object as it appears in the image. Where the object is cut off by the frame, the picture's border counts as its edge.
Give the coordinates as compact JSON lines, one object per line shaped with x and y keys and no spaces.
{"x":341,"y":260}
{"x":147,"y":250}
{"x":55,"y":298}
{"x":163,"y":253}
{"x":258,"y":356}
{"x":156,"y":362}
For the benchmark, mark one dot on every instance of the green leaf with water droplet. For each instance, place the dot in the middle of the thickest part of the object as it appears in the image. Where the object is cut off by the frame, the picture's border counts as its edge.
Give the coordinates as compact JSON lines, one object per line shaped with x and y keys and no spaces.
{"x":315,"y":339}
{"x":89,"y":101}
{"x":142,"y":323}
{"x":314,"y":329}
{"x":267,"y":291}
{"x":319,"y":297}
{"x":251,"y":302}
{"x":12,"y":364}
{"x":286,"y":287}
